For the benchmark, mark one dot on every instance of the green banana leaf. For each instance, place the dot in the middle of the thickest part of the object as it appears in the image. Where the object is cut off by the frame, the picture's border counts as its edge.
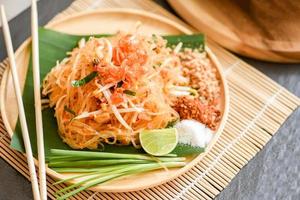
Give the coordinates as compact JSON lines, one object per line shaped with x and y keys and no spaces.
{"x":53,"y":46}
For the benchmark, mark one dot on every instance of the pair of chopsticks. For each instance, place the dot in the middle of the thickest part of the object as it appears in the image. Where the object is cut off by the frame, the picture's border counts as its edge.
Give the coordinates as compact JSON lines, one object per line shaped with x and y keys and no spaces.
{"x":42,"y":193}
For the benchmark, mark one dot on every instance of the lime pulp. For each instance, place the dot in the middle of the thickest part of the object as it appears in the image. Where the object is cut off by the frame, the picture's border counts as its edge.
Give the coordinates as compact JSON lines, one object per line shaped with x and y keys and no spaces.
{"x":159,"y":142}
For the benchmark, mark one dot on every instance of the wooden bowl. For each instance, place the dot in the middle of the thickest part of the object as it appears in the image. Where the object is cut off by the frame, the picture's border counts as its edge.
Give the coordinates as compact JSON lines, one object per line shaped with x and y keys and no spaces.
{"x":265,"y":30}
{"x":109,"y":21}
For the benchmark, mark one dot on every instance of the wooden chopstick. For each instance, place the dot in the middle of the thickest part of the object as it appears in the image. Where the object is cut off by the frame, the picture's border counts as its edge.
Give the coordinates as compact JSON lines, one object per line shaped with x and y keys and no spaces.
{"x":12,"y":62}
{"x":37,"y":100}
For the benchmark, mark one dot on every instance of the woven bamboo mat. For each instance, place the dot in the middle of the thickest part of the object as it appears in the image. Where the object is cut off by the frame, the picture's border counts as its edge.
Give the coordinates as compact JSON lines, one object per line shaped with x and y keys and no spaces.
{"x":258,"y":107}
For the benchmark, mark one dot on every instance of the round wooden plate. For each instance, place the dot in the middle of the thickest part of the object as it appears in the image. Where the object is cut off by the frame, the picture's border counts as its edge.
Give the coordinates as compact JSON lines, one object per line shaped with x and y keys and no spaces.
{"x":265,"y":30}
{"x":109,"y":21}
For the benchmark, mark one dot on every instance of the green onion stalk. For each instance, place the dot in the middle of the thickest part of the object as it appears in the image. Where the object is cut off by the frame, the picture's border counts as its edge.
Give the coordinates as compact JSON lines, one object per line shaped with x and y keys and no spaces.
{"x":97,"y":178}
{"x":100,"y":167}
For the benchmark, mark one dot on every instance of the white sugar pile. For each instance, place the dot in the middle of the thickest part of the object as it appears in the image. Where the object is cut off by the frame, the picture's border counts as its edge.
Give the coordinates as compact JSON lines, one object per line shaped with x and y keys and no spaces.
{"x":194,"y":133}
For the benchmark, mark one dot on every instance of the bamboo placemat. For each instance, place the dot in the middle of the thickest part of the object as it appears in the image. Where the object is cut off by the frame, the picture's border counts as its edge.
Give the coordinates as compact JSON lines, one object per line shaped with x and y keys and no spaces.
{"x":258,"y":107}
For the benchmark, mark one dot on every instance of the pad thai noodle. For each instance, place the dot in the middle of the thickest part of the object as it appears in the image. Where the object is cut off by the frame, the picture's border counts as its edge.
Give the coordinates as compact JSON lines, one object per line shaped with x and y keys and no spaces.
{"x":109,"y":89}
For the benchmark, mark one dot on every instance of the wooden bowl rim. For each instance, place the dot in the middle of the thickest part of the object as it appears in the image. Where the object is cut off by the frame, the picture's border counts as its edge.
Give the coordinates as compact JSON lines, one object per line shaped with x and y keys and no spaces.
{"x":233,"y":43}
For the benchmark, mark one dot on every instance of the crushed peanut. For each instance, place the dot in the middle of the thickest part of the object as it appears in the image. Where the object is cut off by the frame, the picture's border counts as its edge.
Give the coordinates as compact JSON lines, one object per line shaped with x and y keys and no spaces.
{"x":204,"y":78}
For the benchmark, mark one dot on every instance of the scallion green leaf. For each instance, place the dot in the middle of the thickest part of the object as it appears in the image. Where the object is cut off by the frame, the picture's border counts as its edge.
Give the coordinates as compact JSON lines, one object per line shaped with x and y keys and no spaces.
{"x":94,"y":179}
{"x":91,"y":163}
{"x":69,"y":110}
{"x":105,"y":155}
{"x":129,"y":92}
{"x":87,"y":170}
{"x":85,"y":80}
{"x":91,"y":154}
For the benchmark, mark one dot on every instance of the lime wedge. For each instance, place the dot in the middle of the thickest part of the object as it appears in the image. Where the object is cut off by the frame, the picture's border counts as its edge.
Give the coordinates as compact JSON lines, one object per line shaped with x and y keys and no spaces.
{"x":159,"y":142}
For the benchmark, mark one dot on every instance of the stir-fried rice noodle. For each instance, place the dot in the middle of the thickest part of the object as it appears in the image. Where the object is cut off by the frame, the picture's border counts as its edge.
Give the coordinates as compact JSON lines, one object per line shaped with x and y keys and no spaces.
{"x":131,"y":90}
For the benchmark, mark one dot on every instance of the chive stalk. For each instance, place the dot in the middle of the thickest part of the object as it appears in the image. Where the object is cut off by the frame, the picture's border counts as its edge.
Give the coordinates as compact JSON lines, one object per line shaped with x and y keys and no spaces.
{"x":91,"y":154}
{"x":106,"y":155}
{"x":130,"y":92}
{"x":69,"y":110}
{"x":78,"y":158}
{"x":89,"y":163}
{"x":65,"y":158}
{"x":95,"y":180}
{"x":87,"y":170}
{"x":99,"y":167}
{"x":74,"y":177}
{"x":91,"y":184}
{"x":85,"y":80}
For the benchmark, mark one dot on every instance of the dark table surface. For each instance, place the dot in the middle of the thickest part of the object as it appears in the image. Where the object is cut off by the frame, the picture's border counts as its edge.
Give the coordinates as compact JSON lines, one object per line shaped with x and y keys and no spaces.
{"x":274,"y":173}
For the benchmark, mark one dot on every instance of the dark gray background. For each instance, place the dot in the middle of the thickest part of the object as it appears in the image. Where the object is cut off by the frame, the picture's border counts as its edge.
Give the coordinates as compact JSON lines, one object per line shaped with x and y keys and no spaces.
{"x":274,"y":173}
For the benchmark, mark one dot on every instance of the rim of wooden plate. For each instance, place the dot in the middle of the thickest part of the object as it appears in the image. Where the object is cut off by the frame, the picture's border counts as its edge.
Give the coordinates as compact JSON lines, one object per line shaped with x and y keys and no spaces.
{"x":152,"y":16}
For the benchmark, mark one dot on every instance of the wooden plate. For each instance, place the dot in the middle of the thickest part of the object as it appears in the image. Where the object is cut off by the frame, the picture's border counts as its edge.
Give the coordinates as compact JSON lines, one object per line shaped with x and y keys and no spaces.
{"x":266,"y":30}
{"x":108,"y":21}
